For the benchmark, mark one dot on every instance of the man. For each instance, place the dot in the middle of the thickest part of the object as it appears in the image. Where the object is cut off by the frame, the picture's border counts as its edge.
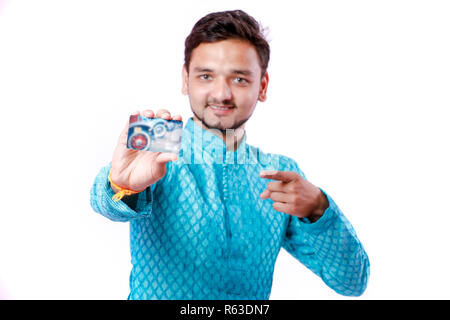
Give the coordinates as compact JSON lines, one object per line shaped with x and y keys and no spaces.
{"x":210,"y":223}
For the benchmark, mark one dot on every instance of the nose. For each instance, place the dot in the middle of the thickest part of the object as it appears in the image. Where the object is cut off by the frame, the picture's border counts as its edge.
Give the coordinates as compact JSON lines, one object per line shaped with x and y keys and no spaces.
{"x":221,"y":91}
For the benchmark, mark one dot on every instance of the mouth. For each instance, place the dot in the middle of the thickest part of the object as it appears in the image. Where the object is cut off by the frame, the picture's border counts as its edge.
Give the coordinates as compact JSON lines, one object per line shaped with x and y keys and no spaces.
{"x":221,"y":109}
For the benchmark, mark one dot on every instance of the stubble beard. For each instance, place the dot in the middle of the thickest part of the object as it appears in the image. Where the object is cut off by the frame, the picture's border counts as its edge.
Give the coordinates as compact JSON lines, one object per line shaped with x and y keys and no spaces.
{"x":219,"y":127}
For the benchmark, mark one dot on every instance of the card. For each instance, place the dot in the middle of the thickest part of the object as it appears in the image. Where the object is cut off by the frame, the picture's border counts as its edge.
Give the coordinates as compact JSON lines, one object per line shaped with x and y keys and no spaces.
{"x":154,"y":134}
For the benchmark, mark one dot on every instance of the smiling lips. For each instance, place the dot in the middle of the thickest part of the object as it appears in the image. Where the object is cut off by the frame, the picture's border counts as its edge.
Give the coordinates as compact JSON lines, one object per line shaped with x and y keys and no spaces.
{"x":221,"y":110}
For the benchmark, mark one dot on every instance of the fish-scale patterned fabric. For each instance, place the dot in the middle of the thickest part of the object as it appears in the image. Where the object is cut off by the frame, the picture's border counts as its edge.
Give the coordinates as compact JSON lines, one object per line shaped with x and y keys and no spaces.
{"x":203,"y":232}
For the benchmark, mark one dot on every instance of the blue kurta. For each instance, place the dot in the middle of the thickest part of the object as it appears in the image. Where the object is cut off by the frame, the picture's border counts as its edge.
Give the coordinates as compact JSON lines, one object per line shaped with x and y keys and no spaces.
{"x":203,"y":232}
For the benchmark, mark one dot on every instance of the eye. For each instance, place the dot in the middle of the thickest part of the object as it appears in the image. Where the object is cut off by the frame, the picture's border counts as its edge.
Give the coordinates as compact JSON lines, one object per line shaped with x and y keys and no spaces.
{"x":205,"y":76}
{"x":240,"y":80}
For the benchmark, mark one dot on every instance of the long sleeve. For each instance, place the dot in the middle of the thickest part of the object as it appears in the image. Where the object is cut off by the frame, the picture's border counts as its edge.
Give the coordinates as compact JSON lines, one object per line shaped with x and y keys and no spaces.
{"x":330,"y":248}
{"x":128,"y":208}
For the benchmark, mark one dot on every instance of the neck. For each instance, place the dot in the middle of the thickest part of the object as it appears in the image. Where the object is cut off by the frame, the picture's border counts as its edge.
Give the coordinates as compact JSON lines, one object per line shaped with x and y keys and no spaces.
{"x":231,"y":137}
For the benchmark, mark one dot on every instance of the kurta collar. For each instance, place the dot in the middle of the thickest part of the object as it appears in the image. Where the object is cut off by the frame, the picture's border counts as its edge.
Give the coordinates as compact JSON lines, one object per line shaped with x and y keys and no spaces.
{"x":202,"y":146}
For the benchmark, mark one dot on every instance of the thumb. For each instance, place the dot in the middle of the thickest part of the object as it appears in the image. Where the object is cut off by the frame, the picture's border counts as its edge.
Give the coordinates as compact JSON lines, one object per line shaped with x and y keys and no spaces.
{"x":165,"y":157}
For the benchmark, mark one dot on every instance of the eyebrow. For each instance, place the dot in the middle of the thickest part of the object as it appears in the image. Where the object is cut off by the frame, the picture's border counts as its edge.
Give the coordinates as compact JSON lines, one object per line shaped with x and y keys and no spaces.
{"x":234,"y":71}
{"x":243,"y":72}
{"x":200,"y":69}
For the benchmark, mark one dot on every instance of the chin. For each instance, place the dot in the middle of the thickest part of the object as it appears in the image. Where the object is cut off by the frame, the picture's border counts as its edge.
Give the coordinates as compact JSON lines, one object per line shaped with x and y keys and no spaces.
{"x":219,"y":126}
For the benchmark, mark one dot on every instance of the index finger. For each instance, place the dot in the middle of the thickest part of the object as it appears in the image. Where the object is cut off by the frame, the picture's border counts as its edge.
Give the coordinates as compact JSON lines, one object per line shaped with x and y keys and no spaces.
{"x":161,"y":113}
{"x":284,"y":176}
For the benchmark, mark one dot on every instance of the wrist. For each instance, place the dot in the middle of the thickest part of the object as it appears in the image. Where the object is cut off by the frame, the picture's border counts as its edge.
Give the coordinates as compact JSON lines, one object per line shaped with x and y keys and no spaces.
{"x":113,"y":181}
{"x":119,"y":191}
{"x":113,"y":188}
{"x":319,"y":210}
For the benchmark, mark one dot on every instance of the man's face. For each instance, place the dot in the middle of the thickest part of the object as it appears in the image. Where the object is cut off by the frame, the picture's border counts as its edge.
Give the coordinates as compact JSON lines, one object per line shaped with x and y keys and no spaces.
{"x":224,"y":83}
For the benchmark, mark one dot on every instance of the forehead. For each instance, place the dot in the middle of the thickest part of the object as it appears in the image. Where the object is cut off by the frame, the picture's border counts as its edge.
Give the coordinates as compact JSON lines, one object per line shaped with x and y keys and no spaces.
{"x":225,"y":55}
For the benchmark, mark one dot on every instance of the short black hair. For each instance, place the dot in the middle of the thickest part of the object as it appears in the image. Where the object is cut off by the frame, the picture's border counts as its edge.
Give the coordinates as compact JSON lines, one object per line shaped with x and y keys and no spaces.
{"x":235,"y":24}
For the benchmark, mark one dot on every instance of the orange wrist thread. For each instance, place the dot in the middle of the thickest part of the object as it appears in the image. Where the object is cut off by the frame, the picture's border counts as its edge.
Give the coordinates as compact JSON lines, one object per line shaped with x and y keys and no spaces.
{"x":122,"y":191}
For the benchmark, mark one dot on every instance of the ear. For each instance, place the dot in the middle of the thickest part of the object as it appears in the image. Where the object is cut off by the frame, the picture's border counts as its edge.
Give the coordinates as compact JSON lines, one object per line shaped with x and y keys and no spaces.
{"x":263,"y":87}
{"x":184,"y":78}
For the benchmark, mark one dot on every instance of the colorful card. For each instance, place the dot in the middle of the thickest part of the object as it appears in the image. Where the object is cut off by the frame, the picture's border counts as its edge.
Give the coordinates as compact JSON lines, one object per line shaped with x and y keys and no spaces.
{"x":154,"y":134}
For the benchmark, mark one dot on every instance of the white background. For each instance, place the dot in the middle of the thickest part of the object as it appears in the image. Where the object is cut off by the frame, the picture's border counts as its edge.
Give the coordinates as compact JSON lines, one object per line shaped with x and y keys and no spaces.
{"x":358,"y":96}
